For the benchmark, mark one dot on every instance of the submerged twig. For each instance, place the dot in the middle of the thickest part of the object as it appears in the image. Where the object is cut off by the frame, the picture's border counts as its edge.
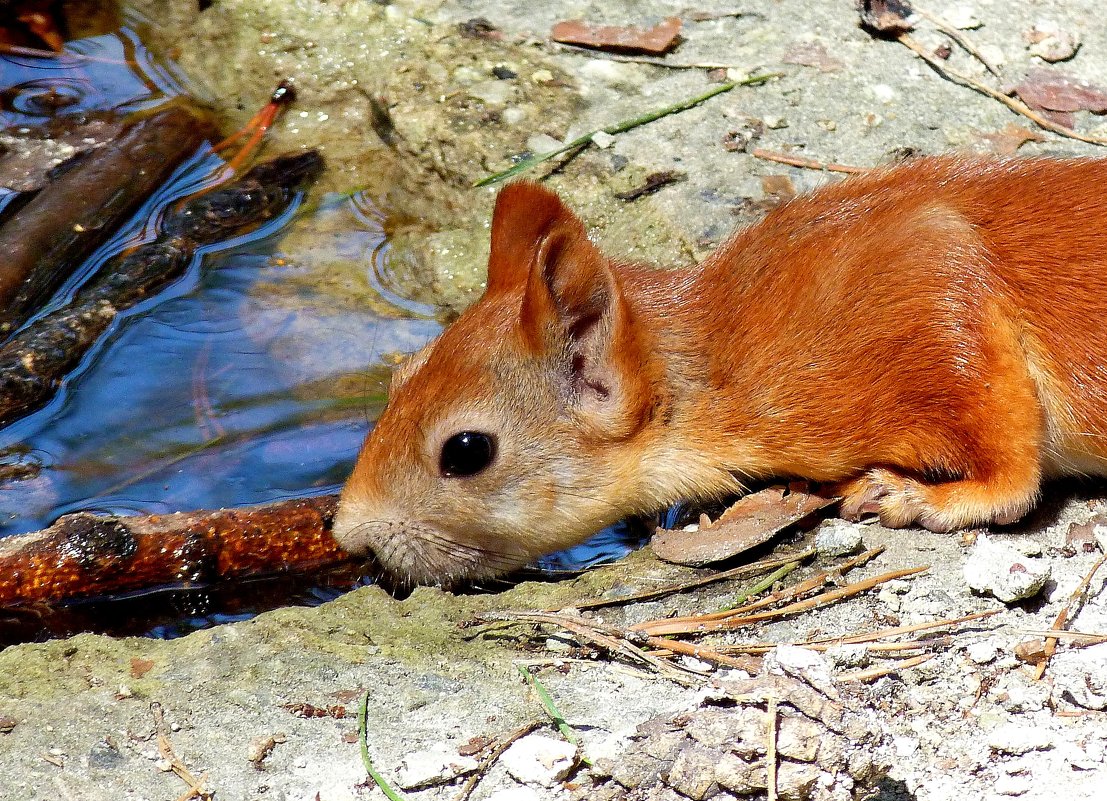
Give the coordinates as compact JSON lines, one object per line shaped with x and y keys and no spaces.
{"x":621,"y":127}
{"x":35,"y":361}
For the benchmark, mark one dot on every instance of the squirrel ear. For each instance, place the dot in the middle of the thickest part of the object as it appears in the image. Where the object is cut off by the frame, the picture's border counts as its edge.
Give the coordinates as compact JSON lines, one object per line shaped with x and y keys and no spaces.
{"x":574,"y":312}
{"x":525,"y":214}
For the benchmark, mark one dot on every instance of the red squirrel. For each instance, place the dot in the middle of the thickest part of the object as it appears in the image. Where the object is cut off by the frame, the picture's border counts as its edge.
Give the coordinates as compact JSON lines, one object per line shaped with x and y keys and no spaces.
{"x":929,"y":338}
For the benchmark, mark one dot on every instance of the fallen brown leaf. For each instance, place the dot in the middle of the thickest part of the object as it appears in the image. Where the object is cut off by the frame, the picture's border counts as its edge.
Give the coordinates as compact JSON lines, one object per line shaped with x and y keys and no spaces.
{"x":811,"y":54}
{"x":780,"y":186}
{"x":751,"y":521}
{"x":140,"y":667}
{"x":656,"y":41}
{"x":1010,"y":139}
{"x":1052,"y":90}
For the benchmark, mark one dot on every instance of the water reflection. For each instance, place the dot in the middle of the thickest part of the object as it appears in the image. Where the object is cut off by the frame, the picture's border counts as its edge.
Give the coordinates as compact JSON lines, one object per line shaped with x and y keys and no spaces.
{"x":254,"y":378}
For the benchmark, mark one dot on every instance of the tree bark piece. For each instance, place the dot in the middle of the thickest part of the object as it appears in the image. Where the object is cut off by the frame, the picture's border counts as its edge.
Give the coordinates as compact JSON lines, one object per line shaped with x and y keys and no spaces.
{"x":45,"y":241}
{"x":85,"y":556}
{"x":34,"y":362}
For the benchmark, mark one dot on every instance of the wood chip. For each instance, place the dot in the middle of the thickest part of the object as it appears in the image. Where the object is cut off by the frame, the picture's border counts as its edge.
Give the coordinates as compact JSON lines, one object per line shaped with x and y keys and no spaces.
{"x":656,"y":41}
{"x":753,"y":520}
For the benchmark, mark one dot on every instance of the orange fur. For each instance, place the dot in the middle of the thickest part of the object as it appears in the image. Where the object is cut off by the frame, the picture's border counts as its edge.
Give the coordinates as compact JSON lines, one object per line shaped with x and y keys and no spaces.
{"x":931,"y":336}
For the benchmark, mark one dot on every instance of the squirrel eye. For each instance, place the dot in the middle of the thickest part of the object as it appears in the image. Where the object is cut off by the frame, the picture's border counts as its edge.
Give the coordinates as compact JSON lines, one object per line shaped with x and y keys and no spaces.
{"x":466,"y":454}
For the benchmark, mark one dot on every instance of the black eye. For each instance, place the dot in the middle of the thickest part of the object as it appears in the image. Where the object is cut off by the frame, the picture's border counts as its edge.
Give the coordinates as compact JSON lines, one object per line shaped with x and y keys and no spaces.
{"x":466,"y":454}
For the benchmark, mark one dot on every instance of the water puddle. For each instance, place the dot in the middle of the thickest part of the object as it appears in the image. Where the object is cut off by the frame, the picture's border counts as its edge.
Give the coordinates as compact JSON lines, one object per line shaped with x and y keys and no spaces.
{"x":254,"y":378}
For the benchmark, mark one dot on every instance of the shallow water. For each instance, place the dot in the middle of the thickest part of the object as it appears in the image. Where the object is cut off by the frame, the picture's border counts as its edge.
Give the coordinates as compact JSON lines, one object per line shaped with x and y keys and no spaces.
{"x":252,"y":379}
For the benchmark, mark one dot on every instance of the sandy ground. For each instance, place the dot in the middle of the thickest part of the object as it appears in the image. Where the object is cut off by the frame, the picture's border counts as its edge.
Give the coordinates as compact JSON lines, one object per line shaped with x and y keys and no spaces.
{"x":79,"y":718}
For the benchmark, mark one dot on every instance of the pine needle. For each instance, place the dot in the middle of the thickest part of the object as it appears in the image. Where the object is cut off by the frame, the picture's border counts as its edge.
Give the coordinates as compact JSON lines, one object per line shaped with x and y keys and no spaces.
{"x":620,"y":127}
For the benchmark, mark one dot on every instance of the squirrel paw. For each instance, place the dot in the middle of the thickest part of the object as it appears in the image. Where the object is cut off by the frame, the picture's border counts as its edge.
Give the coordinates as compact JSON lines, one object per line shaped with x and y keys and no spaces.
{"x":901,"y":501}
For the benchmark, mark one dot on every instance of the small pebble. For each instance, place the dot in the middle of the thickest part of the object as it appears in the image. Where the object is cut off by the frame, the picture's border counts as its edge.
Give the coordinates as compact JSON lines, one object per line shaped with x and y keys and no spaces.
{"x":1019,"y":738}
{"x":998,"y":569}
{"x":837,"y":538}
{"x":1012,"y":785}
{"x":981,"y":652}
{"x":602,"y":139}
{"x":435,"y":765}
{"x":1080,"y":676}
{"x":962,"y":17}
{"x":515,"y":794}
{"x":538,"y":759}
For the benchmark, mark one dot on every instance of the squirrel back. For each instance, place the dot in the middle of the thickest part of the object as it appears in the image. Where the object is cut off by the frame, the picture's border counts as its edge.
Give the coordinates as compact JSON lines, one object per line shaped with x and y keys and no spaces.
{"x":930,"y":339}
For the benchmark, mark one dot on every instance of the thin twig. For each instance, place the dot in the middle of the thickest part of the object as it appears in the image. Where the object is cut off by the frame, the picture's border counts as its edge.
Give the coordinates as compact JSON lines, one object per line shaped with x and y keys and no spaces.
{"x":663,"y":627}
{"x":1012,"y":103}
{"x":626,"y":125}
{"x":760,"y":586}
{"x":671,"y":647}
{"x":884,"y":670}
{"x":738,"y":572}
{"x":1064,"y":615}
{"x":165,"y":748}
{"x":770,"y":750}
{"x":1078,"y":639}
{"x":808,"y":585}
{"x":958,"y":37}
{"x":607,"y":637}
{"x":363,"y":739}
{"x":810,"y":164}
{"x":490,"y":760}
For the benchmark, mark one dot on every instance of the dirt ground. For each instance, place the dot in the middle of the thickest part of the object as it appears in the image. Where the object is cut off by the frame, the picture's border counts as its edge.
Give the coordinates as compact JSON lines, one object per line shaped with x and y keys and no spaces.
{"x":80,"y":718}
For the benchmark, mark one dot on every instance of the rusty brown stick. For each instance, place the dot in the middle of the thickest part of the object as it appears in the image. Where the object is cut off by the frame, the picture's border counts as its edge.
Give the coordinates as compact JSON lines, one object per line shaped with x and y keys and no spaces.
{"x":86,"y":556}
{"x":806,"y":163}
{"x":46,"y":240}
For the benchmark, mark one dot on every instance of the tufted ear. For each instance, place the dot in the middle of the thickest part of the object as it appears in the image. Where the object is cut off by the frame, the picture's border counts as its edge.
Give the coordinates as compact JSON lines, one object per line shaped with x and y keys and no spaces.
{"x":525,"y":213}
{"x":574,"y":313}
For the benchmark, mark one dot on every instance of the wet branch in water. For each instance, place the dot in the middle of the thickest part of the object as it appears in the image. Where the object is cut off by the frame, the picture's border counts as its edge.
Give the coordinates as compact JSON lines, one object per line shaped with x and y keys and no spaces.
{"x":47,"y":239}
{"x":86,"y":556}
{"x":36,"y":360}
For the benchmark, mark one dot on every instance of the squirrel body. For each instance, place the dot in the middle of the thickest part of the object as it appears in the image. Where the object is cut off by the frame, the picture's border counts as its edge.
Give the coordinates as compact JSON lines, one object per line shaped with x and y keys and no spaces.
{"x":930,"y":338}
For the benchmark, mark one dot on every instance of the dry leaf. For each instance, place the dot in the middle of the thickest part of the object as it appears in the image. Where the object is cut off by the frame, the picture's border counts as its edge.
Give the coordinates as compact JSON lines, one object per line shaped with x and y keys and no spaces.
{"x":753,"y":520}
{"x":811,"y":54}
{"x":140,"y":667}
{"x":1055,"y":91}
{"x":1010,"y":139}
{"x":780,"y":186}
{"x":656,"y":41}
